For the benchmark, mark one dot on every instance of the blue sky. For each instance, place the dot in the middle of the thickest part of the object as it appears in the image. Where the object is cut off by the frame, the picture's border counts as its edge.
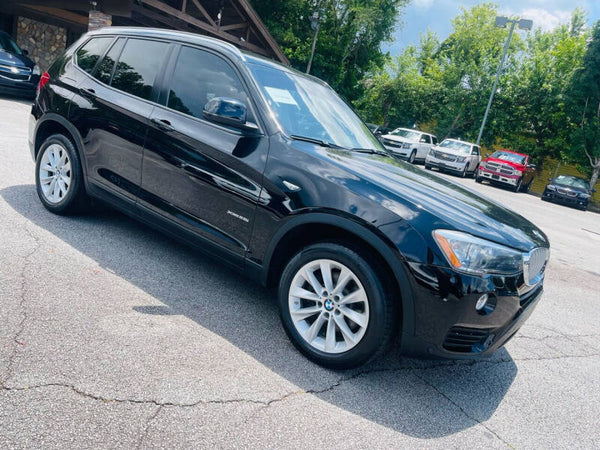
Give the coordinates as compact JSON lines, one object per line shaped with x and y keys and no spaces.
{"x":436,"y":15}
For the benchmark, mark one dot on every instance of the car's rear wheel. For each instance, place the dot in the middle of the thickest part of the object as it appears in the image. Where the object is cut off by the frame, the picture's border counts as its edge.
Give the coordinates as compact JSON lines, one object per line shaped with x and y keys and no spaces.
{"x":58,"y":176}
{"x":334,"y":307}
{"x":517,"y":187}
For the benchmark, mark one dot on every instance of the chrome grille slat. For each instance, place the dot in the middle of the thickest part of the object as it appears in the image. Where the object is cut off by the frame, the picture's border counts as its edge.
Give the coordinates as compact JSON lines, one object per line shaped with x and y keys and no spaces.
{"x":534,"y":264}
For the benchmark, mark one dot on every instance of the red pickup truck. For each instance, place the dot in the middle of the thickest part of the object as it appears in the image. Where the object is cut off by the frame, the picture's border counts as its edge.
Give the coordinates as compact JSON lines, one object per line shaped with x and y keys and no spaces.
{"x":508,"y":168}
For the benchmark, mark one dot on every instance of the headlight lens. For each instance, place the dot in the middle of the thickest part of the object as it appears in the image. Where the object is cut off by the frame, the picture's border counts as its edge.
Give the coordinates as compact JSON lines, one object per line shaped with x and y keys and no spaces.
{"x":36,"y":70}
{"x":461,"y":159}
{"x":584,"y":196}
{"x":517,"y":172}
{"x":406,"y":145}
{"x":551,"y":187}
{"x":467,"y":253}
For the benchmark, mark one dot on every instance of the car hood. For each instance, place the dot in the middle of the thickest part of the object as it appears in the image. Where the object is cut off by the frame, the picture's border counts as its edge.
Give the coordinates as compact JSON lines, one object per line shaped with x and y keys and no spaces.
{"x":11,"y":59}
{"x":428,"y":202}
{"x":504,"y":161}
{"x":570,"y":188}
{"x":392,"y":137}
{"x":450,"y":151}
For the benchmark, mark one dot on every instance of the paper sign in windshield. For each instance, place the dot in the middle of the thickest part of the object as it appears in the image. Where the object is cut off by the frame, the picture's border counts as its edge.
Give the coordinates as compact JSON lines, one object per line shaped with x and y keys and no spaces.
{"x":281,"y":96}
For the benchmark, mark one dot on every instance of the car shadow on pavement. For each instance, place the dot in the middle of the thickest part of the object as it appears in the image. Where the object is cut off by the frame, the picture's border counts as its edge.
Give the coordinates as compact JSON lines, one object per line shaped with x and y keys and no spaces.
{"x":420,"y":398}
{"x":15,"y":99}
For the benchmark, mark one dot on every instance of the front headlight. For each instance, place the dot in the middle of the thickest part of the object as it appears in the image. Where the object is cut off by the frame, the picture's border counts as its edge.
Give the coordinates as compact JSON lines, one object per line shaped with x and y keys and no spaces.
{"x":461,"y":159}
{"x":406,"y":145}
{"x":551,"y":187}
{"x":584,"y":196}
{"x":467,"y":253}
{"x":517,"y":172}
{"x":36,"y":70}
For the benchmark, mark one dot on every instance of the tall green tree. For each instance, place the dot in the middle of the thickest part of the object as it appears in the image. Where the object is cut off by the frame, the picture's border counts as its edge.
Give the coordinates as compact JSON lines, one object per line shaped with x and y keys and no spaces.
{"x":350,"y":36}
{"x":584,"y":109}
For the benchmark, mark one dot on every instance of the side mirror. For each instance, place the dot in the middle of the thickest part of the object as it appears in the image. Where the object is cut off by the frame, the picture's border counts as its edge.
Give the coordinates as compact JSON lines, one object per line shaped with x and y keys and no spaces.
{"x":228,"y":111}
{"x":422,"y":140}
{"x":593,"y":191}
{"x":531,"y":166}
{"x":25,"y":52}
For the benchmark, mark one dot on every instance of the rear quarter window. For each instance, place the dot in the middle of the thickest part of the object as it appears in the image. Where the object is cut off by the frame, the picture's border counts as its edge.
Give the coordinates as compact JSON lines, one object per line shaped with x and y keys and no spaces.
{"x":90,"y":53}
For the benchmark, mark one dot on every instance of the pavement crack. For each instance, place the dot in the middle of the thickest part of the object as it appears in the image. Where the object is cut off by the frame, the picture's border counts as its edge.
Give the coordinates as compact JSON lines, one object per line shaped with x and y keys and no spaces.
{"x":144,"y":431}
{"x":462,"y":410}
{"x":17,"y":341}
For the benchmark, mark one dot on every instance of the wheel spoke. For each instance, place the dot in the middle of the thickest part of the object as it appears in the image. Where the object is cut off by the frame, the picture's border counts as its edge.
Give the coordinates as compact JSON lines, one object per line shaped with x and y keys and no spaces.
{"x":305,"y":313}
{"x":326,"y":274}
{"x":356,"y":317}
{"x":66,"y":167}
{"x":343,"y":327}
{"x":314,"y":329}
{"x":297,"y":291}
{"x":330,"y":335}
{"x":62,"y":186}
{"x":353,"y":297}
{"x":310,"y":277}
{"x":48,"y":168}
{"x":343,"y":279}
{"x":46,"y":180}
{"x":55,"y":191}
{"x":63,"y":158}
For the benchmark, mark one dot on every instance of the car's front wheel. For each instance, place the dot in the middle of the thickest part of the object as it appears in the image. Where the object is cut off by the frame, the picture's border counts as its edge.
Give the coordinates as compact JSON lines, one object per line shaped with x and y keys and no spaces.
{"x":334,"y":307}
{"x":412,"y":157}
{"x":58,"y":176}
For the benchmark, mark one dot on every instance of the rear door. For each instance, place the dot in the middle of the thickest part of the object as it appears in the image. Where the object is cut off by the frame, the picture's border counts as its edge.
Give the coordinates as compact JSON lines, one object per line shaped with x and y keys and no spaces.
{"x":112,"y":112}
{"x":203,"y":176}
{"x":424,"y":146}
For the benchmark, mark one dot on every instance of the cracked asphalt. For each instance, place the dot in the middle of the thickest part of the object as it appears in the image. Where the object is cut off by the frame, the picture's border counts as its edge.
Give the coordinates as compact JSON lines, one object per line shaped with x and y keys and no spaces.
{"x":112,"y":335}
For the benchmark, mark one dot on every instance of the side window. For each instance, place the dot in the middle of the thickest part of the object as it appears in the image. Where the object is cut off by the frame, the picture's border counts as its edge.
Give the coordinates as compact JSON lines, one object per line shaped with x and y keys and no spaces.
{"x":435,"y":141}
{"x":475,"y":150}
{"x":138,"y":66}
{"x":90,"y":53}
{"x":105,"y":68}
{"x":200,"y":76}
{"x":427,"y":139}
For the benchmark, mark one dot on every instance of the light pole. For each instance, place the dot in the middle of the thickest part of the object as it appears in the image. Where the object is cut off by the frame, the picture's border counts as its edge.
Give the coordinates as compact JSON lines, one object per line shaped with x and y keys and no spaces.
{"x":314,"y":23}
{"x":502,"y":22}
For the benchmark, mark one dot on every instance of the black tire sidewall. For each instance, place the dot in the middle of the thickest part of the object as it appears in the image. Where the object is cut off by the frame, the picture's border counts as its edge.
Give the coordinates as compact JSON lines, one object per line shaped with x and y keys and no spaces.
{"x":71,"y":201}
{"x":377,"y":329}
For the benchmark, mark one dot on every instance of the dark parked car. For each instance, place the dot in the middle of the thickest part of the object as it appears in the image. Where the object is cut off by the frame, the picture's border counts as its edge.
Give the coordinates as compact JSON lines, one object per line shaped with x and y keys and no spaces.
{"x":568,"y":190}
{"x":18,"y":74}
{"x":268,"y":170}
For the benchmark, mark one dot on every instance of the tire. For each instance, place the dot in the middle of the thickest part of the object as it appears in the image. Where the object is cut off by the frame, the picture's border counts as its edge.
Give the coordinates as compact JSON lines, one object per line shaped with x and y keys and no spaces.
{"x":411,"y":158}
{"x":478,"y":179}
{"x":463,"y":174}
{"x":427,"y":166}
{"x":517,"y":187}
{"x":59,"y":177}
{"x":324,"y":332}
{"x":525,"y":189}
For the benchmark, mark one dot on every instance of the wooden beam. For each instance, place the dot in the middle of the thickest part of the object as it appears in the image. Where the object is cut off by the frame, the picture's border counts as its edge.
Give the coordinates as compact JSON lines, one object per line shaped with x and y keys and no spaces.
{"x":209,"y":29}
{"x":234,"y":26}
{"x":204,"y":13}
{"x":60,"y":13}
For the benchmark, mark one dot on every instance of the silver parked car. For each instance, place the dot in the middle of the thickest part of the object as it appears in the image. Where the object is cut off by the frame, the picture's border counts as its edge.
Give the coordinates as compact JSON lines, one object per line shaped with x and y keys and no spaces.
{"x":456,"y":156}
{"x":410,"y":144}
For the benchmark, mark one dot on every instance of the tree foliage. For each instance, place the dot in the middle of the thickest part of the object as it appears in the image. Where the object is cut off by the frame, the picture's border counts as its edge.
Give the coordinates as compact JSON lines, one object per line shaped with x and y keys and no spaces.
{"x":350,"y":36}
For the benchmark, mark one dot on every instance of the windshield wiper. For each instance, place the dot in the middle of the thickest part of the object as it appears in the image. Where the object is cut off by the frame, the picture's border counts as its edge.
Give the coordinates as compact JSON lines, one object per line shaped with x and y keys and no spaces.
{"x":320,"y":142}
{"x":370,"y":151}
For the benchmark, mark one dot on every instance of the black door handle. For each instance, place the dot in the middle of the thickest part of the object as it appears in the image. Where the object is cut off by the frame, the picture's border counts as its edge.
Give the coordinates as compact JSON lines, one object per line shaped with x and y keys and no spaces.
{"x":162,"y":124}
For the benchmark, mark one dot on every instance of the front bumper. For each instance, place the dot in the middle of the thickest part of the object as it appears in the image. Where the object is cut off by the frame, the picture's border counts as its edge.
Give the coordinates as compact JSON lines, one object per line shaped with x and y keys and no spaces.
{"x":447,"y":324}
{"x":19,"y":88}
{"x":498,"y":177}
{"x":565,"y":199}
{"x":445,"y":165}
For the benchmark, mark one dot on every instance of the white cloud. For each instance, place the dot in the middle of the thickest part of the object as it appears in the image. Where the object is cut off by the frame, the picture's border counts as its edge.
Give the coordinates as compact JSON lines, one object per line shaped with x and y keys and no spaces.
{"x":546,"y":20}
{"x":422,"y":4}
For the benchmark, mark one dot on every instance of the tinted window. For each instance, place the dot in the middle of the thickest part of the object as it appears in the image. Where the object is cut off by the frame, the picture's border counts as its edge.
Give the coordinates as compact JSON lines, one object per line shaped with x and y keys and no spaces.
{"x":200,"y":76}
{"x":90,"y":53}
{"x":105,"y":68}
{"x":435,"y":141}
{"x":7,"y":43}
{"x":427,"y":139}
{"x":138,"y":66}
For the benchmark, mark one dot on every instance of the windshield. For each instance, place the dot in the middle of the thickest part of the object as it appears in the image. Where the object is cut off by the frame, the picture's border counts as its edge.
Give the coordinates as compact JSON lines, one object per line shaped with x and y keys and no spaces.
{"x":7,"y":44}
{"x":565,"y":180}
{"x":304,"y":107}
{"x":458,"y":146}
{"x":506,"y":156}
{"x":408,"y":134}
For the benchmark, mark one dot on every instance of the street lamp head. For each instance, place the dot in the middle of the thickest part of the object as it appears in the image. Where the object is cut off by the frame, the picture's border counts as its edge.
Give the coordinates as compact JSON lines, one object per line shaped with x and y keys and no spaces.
{"x":525,"y":24}
{"x":501,"y":21}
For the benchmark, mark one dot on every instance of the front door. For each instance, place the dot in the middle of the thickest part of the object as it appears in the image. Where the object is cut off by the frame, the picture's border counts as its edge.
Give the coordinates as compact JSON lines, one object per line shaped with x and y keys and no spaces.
{"x":204,"y":176}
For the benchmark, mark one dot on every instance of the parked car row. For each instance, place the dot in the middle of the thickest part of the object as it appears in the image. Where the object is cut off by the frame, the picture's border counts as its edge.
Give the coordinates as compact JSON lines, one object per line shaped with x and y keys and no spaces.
{"x":503,"y":167}
{"x":19,"y":75}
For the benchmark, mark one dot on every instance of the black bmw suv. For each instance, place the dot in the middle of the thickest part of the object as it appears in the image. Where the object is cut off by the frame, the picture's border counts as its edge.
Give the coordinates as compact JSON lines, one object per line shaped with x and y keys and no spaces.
{"x":268,"y":170}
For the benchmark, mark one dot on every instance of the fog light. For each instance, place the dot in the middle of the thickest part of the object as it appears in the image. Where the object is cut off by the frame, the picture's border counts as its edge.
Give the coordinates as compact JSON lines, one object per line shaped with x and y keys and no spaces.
{"x":481,"y":302}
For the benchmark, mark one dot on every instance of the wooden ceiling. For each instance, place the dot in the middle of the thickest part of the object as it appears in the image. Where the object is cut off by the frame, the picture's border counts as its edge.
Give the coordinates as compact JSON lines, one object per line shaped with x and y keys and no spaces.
{"x":234,"y":21}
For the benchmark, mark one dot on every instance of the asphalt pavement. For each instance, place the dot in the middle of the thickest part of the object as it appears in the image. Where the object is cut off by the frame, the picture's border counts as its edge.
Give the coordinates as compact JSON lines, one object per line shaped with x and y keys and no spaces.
{"x":114,"y":336}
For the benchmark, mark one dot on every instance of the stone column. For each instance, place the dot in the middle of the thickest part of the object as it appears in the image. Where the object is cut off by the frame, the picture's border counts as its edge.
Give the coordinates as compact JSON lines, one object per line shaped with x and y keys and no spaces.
{"x":98,"y":19}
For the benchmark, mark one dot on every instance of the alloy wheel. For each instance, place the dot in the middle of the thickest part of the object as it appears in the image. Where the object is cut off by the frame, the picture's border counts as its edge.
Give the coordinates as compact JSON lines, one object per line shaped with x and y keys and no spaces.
{"x":328,"y":306}
{"x":55,"y":173}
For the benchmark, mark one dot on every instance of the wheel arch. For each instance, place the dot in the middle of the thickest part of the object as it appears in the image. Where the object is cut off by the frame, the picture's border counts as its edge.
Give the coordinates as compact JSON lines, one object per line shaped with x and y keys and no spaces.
{"x":52,"y":123}
{"x":321,"y":227}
